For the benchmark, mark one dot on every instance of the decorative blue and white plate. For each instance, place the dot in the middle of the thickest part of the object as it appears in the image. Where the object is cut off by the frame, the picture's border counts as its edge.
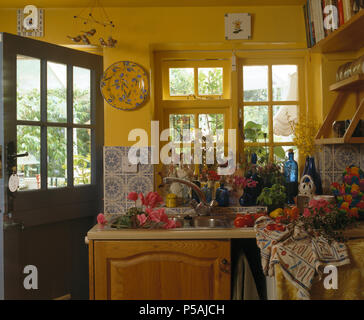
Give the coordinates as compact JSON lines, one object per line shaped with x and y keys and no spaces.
{"x":125,"y":85}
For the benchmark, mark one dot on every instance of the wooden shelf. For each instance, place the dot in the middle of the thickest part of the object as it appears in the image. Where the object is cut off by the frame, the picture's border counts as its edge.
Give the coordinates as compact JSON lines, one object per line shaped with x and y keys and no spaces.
{"x":349,"y":37}
{"x":352,"y":140}
{"x":351,"y":83}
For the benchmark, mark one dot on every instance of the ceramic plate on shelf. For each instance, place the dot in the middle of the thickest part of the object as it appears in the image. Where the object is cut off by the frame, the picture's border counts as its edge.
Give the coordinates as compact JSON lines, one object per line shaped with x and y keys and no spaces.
{"x":125,"y":85}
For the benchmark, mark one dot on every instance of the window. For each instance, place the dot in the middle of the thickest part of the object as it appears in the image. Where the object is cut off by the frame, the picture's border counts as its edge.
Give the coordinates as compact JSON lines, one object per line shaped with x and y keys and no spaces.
{"x":270,"y":100}
{"x":208,"y":123}
{"x":53,"y":124}
{"x":196,"y":79}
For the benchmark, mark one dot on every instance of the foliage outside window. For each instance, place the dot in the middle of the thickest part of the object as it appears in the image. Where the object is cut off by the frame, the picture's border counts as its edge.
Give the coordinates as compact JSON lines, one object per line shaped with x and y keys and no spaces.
{"x":29,"y":128}
{"x":196,"y":82}
{"x":270,"y":101}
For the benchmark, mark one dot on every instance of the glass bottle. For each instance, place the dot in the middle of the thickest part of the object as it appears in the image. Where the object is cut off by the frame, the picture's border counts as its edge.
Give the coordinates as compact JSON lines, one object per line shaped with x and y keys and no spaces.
{"x":222,"y":196}
{"x":290,"y":171}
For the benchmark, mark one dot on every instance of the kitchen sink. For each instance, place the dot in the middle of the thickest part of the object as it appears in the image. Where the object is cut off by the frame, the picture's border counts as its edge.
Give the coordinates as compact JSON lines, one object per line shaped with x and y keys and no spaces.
{"x":212,"y":222}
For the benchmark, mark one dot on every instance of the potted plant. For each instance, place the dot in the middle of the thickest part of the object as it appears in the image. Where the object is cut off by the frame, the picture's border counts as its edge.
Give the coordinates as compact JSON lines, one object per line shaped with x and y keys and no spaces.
{"x":273,"y":197}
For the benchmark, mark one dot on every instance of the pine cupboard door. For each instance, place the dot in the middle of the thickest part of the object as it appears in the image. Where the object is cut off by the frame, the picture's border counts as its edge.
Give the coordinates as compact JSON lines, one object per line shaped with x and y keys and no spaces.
{"x":161,"y":270}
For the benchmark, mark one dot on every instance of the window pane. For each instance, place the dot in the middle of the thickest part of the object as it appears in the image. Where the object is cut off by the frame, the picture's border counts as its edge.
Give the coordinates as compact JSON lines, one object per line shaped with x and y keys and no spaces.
{"x":181,"y":122}
{"x":281,"y":153}
{"x":285,"y":83}
{"x":208,"y":123}
{"x":210,"y":81}
{"x":255,"y":83}
{"x":81,"y":156}
{"x":56,"y":92}
{"x":28,"y":88}
{"x":282,"y":115}
{"x":256,"y":123}
{"x":28,"y":140}
{"x":57,"y":157}
{"x":81,"y":95}
{"x":181,"y":81}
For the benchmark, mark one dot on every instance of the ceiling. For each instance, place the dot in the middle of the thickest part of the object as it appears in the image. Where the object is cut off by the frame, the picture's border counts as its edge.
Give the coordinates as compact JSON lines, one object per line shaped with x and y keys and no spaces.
{"x":144,"y":3}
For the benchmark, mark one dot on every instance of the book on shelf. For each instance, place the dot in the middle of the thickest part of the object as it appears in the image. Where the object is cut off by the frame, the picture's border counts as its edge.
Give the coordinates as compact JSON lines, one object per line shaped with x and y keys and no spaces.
{"x":321,"y":19}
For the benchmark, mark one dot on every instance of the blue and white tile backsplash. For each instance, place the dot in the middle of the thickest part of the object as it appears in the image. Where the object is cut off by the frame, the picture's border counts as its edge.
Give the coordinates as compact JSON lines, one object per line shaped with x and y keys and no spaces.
{"x":333,"y":159}
{"x":121,"y":177}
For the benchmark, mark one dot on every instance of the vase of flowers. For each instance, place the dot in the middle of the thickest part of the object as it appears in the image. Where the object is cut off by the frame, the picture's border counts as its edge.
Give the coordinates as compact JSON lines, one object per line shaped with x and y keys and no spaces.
{"x":323,"y":218}
{"x":148,"y":216}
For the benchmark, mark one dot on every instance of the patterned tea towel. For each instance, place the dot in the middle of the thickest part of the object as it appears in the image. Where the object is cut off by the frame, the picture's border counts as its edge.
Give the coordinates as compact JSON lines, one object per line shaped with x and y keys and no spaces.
{"x":299,"y":255}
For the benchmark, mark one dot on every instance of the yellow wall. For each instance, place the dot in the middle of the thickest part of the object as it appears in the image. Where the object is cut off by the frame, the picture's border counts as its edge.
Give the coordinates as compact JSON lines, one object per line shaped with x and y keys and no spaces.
{"x":140,"y":31}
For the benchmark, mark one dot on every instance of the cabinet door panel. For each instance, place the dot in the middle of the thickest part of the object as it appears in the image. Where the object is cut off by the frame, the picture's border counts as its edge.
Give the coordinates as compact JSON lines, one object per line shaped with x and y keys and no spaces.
{"x":162,"y":269}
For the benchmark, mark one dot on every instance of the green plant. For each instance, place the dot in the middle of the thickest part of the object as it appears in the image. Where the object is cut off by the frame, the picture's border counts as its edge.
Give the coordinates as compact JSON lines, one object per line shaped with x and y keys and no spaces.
{"x":273,"y":197}
{"x":254,"y":132}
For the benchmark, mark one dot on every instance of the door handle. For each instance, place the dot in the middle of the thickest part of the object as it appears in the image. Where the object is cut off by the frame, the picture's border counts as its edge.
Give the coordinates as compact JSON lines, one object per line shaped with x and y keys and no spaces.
{"x":12,"y":224}
{"x":224,"y":266}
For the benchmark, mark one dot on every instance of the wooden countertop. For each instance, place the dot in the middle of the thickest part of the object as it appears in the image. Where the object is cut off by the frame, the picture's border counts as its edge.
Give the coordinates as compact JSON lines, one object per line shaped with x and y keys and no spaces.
{"x":106,"y":233}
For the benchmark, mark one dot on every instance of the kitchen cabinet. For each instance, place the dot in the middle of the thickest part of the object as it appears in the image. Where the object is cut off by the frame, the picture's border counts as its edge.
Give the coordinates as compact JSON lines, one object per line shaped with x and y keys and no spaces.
{"x":159,"y":269}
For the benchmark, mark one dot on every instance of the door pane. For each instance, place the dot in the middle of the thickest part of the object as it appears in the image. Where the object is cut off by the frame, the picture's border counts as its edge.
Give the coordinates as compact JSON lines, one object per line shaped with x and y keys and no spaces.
{"x":285,"y":83}
{"x":210,"y":81}
{"x":255,"y":83}
{"x":81,"y":156}
{"x":181,"y":81}
{"x":255,"y":123}
{"x":282,"y":116}
{"x":81,"y":95}
{"x":28,"y":88}
{"x":57,"y":157}
{"x":28,"y":140}
{"x":209,"y":123}
{"x":56,"y":92}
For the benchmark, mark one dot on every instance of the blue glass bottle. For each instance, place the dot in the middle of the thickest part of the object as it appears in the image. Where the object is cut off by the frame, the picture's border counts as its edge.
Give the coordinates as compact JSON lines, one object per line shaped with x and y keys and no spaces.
{"x":290,"y":171}
{"x":222,"y":196}
{"x":208,"y":192}
{"x":310,"y":169}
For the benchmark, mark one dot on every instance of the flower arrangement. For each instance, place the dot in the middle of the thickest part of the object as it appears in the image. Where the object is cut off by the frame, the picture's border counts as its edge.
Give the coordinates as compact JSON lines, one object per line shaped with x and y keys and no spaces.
{"x":326,"y":219}
{"x":212,"y":175}
{"x":149,"y":216}
{"x":350,"y":194}
{"x":304,"y":131}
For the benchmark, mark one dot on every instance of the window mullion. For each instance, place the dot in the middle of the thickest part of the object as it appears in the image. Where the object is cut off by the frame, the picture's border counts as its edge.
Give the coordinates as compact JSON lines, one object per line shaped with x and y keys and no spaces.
{"x":195,"y":73}
{"x":270,"y":112}
{"x":70,"y":128}
{"x":43,"y":118}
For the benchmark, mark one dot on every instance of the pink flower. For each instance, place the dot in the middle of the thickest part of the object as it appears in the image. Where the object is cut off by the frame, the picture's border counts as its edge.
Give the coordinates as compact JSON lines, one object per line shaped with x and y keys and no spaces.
{"x":153,"y":199}
{"x":306,"y":213}
{"x":170,"y":224}
{"x":133,"y":196}
{"x":101,"y":219}
{"x":142,"y":218}
{"x":157,"y":215}
{"x":141,"y":196}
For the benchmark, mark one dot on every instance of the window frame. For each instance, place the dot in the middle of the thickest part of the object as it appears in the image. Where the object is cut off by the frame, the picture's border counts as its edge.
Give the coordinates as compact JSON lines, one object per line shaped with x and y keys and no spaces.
{"x":300,"y":102}
{"x":69,"y":125}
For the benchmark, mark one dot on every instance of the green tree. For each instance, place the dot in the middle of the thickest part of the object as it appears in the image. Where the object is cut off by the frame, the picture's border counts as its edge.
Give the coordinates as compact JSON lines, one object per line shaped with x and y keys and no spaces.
{"x":28,"y":137}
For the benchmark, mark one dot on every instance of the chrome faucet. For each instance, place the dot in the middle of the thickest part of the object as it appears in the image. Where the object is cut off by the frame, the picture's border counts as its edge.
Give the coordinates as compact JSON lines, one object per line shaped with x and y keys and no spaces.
{"x":203,"y":208}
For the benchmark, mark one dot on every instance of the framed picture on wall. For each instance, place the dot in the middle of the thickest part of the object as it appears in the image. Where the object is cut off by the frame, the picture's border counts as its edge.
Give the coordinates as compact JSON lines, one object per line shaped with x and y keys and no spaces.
{"x":237,"y":26}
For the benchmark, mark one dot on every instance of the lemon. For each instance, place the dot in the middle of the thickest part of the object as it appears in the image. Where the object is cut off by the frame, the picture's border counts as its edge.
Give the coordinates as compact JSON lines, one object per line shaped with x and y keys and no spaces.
{"x":277,"y":212}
